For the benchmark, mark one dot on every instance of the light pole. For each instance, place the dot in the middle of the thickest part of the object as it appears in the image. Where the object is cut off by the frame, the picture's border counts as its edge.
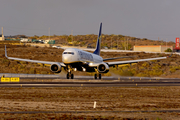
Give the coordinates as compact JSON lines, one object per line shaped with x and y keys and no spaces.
{"x":111,"y":42}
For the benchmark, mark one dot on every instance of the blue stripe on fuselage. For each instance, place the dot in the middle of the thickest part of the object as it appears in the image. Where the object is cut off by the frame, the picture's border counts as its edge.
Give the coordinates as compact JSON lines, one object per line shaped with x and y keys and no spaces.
{"x":85,"y":56}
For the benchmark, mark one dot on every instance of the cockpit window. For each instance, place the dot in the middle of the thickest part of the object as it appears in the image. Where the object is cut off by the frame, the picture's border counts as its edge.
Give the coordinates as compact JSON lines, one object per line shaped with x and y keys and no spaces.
{"x":72,"y":53}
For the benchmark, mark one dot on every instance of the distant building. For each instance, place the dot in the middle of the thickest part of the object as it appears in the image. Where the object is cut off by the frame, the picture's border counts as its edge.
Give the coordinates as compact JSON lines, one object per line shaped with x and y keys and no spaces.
{"x":1,"y":37}
{"x":24,"y":40}
{"x":177,"y":48}
{"x":156,"y":48}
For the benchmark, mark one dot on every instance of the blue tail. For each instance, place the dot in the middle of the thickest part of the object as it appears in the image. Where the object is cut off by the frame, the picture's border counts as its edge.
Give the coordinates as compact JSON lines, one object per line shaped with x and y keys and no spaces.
{"x":98,"y":45}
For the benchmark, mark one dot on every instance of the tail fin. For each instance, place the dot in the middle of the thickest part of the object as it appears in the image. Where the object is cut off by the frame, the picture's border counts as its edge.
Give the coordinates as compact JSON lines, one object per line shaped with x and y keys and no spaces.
{"x":98,"y":44}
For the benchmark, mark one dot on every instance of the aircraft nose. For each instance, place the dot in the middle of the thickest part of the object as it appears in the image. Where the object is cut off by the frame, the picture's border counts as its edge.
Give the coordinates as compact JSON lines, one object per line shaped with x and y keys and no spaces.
{"x":65,"y":59}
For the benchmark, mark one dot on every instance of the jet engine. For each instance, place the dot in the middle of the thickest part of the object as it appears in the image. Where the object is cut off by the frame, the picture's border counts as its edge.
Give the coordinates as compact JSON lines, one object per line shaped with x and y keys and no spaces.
{"x":103,"y":68}
{"x":56,"y":68}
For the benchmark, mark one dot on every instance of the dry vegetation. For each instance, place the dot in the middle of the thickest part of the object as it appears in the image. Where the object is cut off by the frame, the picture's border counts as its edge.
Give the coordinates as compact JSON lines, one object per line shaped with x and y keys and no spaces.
{"x":82,"y":99}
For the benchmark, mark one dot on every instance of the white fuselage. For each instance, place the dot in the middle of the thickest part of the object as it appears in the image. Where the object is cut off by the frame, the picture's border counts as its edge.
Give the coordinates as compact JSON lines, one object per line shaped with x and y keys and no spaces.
{"x":73,"y":55}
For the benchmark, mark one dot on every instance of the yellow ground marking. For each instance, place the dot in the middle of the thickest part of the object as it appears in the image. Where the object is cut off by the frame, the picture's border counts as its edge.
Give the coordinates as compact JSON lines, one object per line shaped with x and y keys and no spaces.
{"x":9,"y":79}
{"x":5,"y":79}
{"x":15,"y":79}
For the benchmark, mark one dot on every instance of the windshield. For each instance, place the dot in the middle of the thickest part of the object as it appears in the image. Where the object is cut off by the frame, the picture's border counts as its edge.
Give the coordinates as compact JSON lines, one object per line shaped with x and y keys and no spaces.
{"x":72,"y":53}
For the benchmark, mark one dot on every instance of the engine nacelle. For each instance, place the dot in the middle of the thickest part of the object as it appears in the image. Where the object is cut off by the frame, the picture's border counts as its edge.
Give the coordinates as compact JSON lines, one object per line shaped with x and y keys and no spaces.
{"x":103,"y":68}
{"x":56,"y":68}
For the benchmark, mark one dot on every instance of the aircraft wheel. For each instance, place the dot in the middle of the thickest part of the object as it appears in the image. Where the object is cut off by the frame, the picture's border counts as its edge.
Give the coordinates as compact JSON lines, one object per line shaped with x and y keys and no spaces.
{"x":67,"y":76}
{"x":72,"y":76}
{"x":95,"y":76}
{"x":99,"y":76}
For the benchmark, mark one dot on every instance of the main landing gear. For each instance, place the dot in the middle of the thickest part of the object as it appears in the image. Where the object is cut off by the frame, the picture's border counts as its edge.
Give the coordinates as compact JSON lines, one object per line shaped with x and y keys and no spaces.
{"x":96,"y":76}
{"x":70,"y":75}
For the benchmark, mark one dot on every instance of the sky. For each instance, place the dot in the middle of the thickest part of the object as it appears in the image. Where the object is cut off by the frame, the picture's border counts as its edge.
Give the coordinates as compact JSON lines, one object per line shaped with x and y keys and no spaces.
{"x":152,"y":19}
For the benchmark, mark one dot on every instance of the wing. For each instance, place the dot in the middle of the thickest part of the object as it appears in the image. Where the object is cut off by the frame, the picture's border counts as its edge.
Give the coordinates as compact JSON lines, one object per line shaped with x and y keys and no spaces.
{"x":117,"y":58}
{"x":34,"y":61}
{"x":133,"y":61}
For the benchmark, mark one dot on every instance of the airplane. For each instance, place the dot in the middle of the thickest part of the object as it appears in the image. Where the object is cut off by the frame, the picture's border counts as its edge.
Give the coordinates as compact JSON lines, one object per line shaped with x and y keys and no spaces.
{"x":74,"y":59}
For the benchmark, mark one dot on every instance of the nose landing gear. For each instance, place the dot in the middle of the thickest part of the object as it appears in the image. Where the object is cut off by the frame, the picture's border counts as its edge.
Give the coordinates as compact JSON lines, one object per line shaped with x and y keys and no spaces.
{"x":69,"y":74}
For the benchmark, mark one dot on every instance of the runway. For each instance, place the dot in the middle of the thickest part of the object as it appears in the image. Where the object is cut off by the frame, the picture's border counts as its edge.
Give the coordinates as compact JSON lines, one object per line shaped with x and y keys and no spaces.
{"x":45,"y":76}
{"x":89,"y":84}
{"x":77,"y":112}
{"x":87,"y":81}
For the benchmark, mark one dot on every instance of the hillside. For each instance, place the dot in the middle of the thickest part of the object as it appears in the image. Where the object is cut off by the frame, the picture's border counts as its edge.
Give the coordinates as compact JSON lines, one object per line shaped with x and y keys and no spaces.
{"x":110,"y":41}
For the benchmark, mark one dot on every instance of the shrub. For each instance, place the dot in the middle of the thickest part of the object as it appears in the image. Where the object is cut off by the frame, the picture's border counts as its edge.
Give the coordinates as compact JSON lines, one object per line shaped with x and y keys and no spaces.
{"x":43,"y":72}
{"x":141,"y":75}
{"x":126,"y":73}
{"x":32,"y":71}
{"x":168,"y":50}
{"x":173,"y":68}
{"x":145,"y":64}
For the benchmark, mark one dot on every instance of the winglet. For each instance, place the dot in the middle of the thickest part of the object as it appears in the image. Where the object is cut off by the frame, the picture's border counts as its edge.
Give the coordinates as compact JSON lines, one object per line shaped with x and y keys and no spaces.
{"x":6,"y":52}
{"x":98,"y":45}
{"x":170,"y":55}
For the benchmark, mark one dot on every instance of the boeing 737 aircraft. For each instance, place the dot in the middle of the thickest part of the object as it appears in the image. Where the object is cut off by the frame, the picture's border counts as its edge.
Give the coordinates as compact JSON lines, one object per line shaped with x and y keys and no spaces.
{"x":78,"y":60}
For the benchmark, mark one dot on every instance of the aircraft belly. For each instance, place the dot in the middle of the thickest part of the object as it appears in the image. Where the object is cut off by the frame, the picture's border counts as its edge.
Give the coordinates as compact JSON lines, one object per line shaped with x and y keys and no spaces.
{"x":80,"y":65}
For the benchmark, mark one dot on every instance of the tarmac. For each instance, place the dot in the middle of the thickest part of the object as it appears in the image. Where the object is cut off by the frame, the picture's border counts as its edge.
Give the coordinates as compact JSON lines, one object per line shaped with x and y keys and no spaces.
{"x":42,"y":80}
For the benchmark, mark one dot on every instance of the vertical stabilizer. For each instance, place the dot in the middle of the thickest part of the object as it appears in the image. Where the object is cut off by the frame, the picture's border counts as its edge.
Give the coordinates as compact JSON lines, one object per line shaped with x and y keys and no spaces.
{"x":98,"y":44}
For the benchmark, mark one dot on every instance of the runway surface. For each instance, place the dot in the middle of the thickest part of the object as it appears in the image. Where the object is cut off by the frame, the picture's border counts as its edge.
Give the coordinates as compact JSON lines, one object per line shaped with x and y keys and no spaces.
{"x":76,"y":84}
{"x":139,"y":111}
{"x":86,"y":81}
{"x":45,"y":76}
